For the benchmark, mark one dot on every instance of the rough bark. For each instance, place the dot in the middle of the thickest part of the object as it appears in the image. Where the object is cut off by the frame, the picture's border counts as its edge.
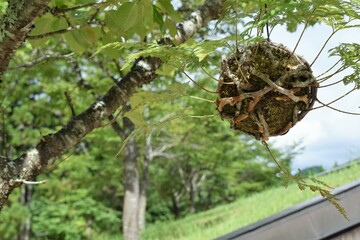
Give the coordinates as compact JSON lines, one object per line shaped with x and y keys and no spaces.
{"x":52,"y":146}
{"x":15,"y":26}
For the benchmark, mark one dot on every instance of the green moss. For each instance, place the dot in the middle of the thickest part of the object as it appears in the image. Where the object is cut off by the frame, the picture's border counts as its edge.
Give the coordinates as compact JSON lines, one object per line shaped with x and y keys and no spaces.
{"x":9,"y":19}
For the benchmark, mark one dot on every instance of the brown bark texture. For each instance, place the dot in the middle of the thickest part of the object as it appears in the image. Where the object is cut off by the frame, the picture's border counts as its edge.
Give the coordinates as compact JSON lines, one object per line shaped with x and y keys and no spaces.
{"x":15,"y":26}
{"x":35,"y":160}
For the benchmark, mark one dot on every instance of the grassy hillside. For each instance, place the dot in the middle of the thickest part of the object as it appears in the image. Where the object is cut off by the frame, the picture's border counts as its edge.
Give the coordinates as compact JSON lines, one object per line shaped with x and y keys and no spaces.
{"x":227,"y":218}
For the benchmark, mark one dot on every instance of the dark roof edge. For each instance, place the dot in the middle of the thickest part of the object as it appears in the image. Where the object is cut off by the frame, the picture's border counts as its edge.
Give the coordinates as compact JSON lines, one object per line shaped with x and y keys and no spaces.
{"x":337,"y":233}
{"x":289,"y":211}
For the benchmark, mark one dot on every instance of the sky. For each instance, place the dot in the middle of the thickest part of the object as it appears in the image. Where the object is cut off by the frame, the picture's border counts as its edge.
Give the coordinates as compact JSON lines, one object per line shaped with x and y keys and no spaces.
{"x":327,"y":136}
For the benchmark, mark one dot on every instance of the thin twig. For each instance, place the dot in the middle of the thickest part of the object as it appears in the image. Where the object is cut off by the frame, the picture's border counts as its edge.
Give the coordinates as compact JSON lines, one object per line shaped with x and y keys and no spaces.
{"x":40,"y":36}
{"x":202,"y":99}
{"x":331,"y":84}
{"x":341,"y":69}
{"x":222,"y":82}
{"x":29,"y":182}
{"x":303,"y":31}
{"x":66,"y":19}
{"x":3,"y":151}
{"x":118,"y":68}
{"x":204,"y":116}
{"x":337,"y":99}
{"x":335,"y":109}
{"x":236,"y":29}
{"x":106,"y":70}
{"x":58,"y":10}
{"x":273,"y":157}
{"x":114,"y":119}
{"x":93,"y":16}
{"x":267,"y":24}
{"x":42,"y":60}
{"x":56,"y":164}
{"x":207,"y":73}
{"x":198,"y":84}
{"x":69,"y":102}
{"x":329,"y":69}
{"x":322,"y":48}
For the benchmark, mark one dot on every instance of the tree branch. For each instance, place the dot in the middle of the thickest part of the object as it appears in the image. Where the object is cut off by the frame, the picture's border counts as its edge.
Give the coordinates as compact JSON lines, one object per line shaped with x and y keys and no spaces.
{"x":56,"y":11}
{"x":43,"y":60}
{"x":52,"y":146}
{"x":15,"y":26}
{"x":61,"y":31}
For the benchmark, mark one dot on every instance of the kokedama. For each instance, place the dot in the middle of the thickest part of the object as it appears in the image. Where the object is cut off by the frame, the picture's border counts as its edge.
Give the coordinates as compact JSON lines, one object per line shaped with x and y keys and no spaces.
{"x":265,"y":89}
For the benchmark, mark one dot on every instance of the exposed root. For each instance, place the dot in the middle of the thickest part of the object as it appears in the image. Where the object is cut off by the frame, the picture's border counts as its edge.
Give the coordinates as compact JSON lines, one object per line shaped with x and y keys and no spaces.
{"x":279,"y":89}
{"x":265,"y":127}
{"x":234,"y":100}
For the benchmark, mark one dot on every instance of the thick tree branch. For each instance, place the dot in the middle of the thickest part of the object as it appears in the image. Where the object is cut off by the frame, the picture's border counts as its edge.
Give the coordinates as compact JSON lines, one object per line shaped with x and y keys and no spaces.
{"x":52,"y":146}
{"x":15,"y":26}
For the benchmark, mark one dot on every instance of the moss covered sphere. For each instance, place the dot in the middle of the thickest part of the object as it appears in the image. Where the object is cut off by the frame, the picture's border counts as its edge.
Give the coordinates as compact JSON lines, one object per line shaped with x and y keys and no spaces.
{"x":265,"y":89}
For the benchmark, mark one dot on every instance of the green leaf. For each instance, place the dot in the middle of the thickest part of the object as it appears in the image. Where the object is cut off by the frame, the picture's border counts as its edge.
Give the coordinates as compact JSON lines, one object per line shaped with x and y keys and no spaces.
{"x":158,"y":18}
{"x":349,"y":54}
{"x":204,"y":48}
{"x":169,"y":9}
{"x":90,"y":35}
{"x":111,"y":20}
{"x":166,"y":70}
{"x":114,"y":49}
{"x":301,"y":187}
{"x":315,"y":180}
{"x":171,"y":26}
{"x":136,"y":115}
{"x":145,"y":10}
{"x":131,"y":18}
{"x":76,"y":42}
{"x":48,"y":23}
{"x":120,"y":21}
{"x":127,"y":15}
{"x":179,"y":88}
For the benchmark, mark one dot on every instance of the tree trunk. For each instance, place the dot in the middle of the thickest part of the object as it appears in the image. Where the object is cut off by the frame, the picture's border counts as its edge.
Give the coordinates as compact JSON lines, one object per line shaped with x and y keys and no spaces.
{"x":131,"y":187}
{"x":175,"y":198}
{"x":192,"y":193}
{"x":143,"y":194}
{"x":26,"y":195}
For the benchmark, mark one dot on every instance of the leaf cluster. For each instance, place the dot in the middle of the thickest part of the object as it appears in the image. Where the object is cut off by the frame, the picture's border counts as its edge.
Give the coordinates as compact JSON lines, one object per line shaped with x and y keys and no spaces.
{"x":349,"y":55}
{"x":315,"y":185}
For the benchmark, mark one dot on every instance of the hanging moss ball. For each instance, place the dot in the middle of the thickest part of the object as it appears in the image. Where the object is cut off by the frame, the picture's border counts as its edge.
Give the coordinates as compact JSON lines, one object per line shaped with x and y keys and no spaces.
{"x":265,"y":89}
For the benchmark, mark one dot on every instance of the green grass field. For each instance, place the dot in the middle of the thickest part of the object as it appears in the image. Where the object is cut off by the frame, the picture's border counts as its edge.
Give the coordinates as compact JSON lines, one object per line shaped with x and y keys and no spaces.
{"x":224,"y":219}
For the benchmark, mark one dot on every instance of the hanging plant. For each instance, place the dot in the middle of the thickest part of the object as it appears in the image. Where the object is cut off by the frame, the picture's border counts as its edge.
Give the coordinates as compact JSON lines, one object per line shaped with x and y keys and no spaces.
{"x":264,"y":89}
